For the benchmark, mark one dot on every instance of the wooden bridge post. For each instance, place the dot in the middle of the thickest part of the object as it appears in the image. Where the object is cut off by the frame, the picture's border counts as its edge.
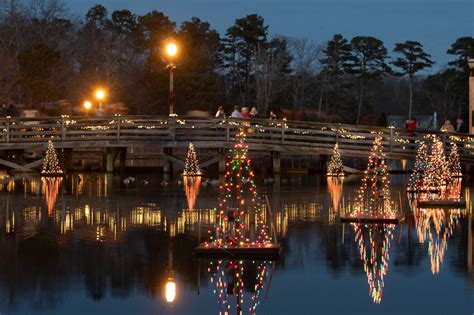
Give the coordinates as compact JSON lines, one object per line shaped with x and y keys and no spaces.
{"x":276,"y":162}
{"x":227,"y":136}
{"x":63,"y":129}
{"x":391,"y":139}
{"x":7,"y":122}
{"x":167,"y":164}
{"x":221,"y":161}
{"x":282,"y":132}
{"x":118,"y":127}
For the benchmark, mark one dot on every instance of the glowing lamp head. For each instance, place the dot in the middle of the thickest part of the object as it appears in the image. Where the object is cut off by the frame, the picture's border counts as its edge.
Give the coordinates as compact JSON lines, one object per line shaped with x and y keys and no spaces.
{"x":170,"y":291}
{"x":171,"y":49}
{"x":87,"y":105}
{"x":100,"y":94}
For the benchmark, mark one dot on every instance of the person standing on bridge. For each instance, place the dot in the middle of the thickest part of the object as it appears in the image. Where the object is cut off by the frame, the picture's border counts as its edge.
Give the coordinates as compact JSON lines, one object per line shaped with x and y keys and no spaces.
{"x":272,"y":115}
{"x":461,"y":126}
{"x":254,"y":112}
{"x":447,"y":126}
{"x":236,"y":113}
{"x":220,"y":112}
{"x":411,"y":124}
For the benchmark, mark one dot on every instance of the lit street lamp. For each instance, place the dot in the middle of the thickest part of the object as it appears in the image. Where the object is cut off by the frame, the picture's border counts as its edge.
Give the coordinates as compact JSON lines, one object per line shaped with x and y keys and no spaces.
{"x":171,"y":51}
{"x":87,"y":106}
{"x":100,"y":96}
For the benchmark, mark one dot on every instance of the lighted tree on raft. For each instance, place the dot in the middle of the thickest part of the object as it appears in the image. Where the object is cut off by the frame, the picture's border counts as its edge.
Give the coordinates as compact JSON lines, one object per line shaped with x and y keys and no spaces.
{"x":373,"y":197}
{"x":335,"y":166}
{"x":191,"y":167}
{"x":415,"y":182}
{"x":453,"y":161}
{"x":436,"y":175}
{"x":51,"y":162}
{"x":238,"y":198}
{"x":374,"y":244}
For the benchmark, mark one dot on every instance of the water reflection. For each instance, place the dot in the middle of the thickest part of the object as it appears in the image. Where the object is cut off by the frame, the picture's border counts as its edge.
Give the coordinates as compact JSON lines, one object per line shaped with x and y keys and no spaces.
{"x":106,"y":242}
{"x":232,"y":279}
{"x":192,"y":185}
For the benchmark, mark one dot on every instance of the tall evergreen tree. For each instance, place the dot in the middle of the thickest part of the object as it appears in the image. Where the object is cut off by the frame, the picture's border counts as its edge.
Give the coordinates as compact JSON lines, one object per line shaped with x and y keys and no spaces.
{"x":413,"y":60}
{"x":368,"y":63}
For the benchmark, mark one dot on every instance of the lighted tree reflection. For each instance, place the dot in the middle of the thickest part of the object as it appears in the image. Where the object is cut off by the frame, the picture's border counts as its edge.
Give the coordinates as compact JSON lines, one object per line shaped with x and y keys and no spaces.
{"x":436,"y":226}
{"x":192,"y":185}
{"x":231,"y":279}
{"x":50,"y":189}
{"x":335,"y":190}
{"x":374,"y":245}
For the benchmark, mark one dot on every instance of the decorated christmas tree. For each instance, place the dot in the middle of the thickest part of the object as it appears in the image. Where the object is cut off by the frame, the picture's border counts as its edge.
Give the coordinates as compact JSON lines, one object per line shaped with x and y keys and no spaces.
{"x":51,"y":162}
{"x":238,"y":199}
{"x":335,"y":167}
{"x":453,"y":161}
{"x":374,"y":244}
{"x":415,"y":182}
{"x":436,"y":176}
{"x":373,"y":197}
{"x":191,"y":167}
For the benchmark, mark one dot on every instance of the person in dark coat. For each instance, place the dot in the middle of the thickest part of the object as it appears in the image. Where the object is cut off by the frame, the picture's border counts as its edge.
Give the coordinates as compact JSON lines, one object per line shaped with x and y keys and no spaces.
{"x":460,"y":126}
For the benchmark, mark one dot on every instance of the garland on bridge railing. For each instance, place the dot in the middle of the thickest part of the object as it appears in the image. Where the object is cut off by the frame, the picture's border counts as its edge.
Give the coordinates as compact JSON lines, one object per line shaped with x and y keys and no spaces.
{"x":51,"y":162}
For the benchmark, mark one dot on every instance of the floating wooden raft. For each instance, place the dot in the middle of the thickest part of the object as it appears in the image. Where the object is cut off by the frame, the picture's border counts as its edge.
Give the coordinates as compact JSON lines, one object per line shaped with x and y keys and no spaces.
{"x":270,"y":251}
{"x":443,"y":203}
{"x":393,"y":219}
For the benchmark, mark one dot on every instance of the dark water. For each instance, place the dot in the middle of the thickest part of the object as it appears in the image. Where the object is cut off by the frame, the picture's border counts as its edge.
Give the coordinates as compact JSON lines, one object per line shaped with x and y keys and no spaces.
{"x":105,"y":248}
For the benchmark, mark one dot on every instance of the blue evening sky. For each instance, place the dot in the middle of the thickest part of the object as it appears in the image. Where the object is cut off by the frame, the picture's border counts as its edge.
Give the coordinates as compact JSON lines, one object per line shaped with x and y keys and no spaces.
{"x":435,"y":23}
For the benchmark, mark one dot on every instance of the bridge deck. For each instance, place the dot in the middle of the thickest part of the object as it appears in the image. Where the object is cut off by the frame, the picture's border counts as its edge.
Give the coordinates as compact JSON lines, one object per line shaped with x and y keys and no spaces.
{"x":294,"y":137}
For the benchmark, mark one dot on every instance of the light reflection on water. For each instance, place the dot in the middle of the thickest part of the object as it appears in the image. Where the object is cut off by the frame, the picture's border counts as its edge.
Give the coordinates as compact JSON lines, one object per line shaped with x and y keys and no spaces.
{"x":93,"y":242}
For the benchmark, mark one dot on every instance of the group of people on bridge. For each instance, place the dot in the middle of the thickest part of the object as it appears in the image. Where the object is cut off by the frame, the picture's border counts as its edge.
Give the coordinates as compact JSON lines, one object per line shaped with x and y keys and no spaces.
{"x":243,"y":113}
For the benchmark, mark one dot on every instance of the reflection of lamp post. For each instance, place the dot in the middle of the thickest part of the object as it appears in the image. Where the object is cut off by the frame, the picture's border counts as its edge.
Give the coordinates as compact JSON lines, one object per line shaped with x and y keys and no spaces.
{"x":171,"y":51}
{"x":471,"y":93}
{"x":170,"y":286}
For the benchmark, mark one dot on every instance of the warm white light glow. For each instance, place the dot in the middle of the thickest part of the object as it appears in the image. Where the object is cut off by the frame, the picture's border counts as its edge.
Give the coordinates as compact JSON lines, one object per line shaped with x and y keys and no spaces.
{"x":100,"y":94}
{"x":170,"y":291}
{"x":171,"y":49}
{"x":87,"y":105}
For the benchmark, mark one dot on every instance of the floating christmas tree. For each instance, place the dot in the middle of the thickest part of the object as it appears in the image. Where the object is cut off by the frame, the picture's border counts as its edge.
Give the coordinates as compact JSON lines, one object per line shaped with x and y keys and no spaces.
{"x":436,"y":176}
{"x":373,"y":197}
{"x":238,"y":199}
{"x":374,"y":245}
{"x":453,"y":161}
{"x":191,"y":167}
{"x":415,"y":182}
{"x":335,"y":167}
{"x":51,"y":162}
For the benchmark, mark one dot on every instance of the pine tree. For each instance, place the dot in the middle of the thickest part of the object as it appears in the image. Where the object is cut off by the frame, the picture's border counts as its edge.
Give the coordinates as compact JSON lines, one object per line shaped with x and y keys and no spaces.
{"x":374,"y":193}
{"x":453,"y":161}
{"x":335,"y":166}
{"x":191,"y":167}
{"x":51,"y":162}
{"x":416,"y":179}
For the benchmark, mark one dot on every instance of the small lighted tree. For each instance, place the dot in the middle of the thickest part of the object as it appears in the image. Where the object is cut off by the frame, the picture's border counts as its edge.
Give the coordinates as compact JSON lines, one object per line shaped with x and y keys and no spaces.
{"x":374,"y":193}
{"x":453,"y":161}
{"x":416,"y":179}
{"x":335,"y":166}
{"x":436,"y":176}
{"x":51,"y":162}
{"x":191,"y":167}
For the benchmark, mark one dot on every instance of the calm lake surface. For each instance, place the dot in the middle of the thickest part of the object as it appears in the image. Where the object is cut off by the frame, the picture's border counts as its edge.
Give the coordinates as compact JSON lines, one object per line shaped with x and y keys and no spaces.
{"x":91,"y":245}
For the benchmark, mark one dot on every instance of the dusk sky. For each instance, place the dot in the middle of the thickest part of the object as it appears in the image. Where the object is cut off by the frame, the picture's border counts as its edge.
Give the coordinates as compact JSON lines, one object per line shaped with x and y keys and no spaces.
{"x":435,"y":23}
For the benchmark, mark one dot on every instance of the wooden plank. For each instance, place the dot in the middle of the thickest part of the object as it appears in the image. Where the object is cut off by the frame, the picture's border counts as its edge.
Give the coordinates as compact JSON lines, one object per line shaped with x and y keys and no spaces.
{"x":15,"y":166}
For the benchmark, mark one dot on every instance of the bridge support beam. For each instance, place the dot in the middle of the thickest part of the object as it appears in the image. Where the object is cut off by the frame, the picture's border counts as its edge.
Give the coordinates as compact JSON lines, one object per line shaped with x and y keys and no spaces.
{"x":221,"y":161}
{"x":167,"y":164}
{"x":109,"y":161}
{"x":276,"y":162}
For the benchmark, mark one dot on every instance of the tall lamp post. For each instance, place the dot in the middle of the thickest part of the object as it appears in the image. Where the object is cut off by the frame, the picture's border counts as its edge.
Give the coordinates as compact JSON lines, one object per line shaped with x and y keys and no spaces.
{"x":471,"y":93}
{"x":171,"y":51}
{"x":100,"y":96}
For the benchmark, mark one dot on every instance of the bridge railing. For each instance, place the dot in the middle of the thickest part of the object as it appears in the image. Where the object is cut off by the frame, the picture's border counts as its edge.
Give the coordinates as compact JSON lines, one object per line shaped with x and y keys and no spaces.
{"x":279,"y":135}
